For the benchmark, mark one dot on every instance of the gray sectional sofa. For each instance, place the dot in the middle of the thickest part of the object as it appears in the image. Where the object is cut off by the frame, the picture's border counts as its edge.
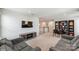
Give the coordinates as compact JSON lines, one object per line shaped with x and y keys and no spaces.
{"x":67,"y":43}
{"x":16,"y":45}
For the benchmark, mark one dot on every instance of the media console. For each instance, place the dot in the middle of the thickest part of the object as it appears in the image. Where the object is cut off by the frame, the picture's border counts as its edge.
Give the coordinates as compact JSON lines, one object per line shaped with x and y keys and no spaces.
{"x":28,"y":35}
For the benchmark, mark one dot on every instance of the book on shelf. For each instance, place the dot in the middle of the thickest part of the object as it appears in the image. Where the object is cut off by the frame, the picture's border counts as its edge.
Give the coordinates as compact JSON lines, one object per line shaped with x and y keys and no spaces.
{"x":71,"y":23}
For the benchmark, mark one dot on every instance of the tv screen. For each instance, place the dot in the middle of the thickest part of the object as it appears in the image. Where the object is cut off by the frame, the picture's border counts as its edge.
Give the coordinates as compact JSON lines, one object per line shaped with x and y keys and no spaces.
{"x":27,"y":24}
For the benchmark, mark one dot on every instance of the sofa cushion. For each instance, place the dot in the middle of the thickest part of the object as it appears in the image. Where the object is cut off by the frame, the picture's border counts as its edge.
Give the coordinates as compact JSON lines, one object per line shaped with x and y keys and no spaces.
{"x":6,"y":41}
{"x":76,"y":44}
{"x":74,"y":39}
{"x":20,"y":46}
{"x":5,"y":48}
{"x":62,"y":46}
{"x":66,"y":41}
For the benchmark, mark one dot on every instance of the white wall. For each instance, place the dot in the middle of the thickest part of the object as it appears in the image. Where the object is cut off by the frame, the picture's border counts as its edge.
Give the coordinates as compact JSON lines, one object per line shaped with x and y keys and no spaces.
{"x":0,"y":22}
{"x":0,"y":25}
{"x":76,"y":26}
{"x":11,"y":25}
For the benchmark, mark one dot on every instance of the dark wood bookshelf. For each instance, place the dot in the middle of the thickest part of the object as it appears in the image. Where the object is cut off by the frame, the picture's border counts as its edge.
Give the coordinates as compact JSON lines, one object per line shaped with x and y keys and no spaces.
{"x":71,"y":27}
{"x":66,"y":26}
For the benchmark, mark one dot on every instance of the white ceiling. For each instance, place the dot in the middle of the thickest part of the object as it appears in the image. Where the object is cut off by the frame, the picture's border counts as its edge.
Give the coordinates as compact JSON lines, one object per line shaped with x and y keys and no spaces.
{"x":45,"y":12}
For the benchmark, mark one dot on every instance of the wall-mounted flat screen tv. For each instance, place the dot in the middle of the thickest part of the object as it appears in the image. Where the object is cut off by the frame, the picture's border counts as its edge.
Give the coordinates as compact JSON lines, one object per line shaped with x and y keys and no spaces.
{"x":27,"y":24}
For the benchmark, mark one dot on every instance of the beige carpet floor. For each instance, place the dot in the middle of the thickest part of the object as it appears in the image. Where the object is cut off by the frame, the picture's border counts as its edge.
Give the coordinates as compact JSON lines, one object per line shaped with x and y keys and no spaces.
{"x":44,"y":41}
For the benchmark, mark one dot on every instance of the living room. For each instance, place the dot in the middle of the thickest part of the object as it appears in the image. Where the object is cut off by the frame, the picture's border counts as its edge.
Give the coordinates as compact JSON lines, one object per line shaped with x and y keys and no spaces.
{"x":35,"y":27}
